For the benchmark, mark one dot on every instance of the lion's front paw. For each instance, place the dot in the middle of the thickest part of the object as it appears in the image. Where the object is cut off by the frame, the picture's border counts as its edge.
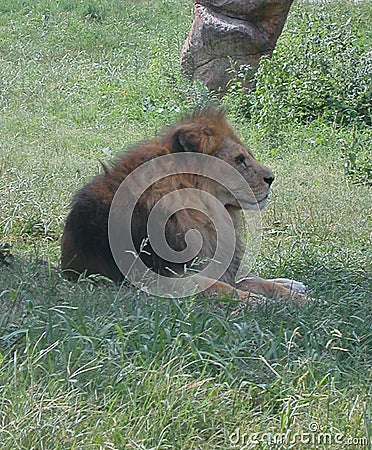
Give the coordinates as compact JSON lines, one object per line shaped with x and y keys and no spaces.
{"x":250,"y":296}
{"x":292,"y":285}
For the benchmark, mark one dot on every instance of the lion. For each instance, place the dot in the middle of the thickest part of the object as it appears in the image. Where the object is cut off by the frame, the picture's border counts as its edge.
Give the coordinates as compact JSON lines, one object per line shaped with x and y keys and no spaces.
{"x":85,"y":246}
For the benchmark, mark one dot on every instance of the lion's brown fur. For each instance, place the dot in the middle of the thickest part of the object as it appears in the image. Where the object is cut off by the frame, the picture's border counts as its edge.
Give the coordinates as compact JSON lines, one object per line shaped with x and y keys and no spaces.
{"x":85,"y":244}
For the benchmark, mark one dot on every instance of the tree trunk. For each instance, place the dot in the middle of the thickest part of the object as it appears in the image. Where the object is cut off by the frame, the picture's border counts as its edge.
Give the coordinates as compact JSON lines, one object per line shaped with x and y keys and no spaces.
{"x":226,"y":34}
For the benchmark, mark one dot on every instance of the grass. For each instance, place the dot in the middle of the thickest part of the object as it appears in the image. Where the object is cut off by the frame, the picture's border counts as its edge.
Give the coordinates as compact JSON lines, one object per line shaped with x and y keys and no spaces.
{"x":87,"y":366}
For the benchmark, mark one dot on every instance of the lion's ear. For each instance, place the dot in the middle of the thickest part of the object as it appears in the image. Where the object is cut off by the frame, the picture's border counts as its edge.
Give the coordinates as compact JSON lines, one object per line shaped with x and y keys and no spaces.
{"x":184,"y":141}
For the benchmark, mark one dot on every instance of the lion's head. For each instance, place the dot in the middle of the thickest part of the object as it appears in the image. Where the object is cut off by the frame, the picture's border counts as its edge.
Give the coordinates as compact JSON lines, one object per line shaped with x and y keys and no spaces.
{"x":209,"y":132}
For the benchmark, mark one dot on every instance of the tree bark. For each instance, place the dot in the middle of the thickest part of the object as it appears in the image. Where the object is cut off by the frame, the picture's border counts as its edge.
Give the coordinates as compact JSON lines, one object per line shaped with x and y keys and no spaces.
{"x":226,"y":34}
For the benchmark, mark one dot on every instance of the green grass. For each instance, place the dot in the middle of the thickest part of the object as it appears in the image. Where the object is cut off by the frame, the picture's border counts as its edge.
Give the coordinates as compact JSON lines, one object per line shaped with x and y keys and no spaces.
{"x":87,"y":366}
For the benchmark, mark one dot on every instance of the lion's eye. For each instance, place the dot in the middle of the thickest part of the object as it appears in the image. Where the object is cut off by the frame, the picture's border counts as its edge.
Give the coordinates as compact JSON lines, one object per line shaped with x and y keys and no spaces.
{"x":240,"y":159}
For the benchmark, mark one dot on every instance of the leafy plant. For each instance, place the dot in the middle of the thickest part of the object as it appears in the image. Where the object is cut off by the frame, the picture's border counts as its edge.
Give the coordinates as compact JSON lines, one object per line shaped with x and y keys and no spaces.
{"x":358,"y":161}
{"x":321,"y":69}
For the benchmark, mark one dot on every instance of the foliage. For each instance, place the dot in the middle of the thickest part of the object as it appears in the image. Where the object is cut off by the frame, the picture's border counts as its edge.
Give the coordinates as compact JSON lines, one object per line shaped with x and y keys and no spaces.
{"x":357,"y":157}
{"x":321,"y":70}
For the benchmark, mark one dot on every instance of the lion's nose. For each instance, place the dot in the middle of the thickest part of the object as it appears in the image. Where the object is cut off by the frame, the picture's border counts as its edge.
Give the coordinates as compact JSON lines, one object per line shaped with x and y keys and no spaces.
{"x":269,"y":180}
